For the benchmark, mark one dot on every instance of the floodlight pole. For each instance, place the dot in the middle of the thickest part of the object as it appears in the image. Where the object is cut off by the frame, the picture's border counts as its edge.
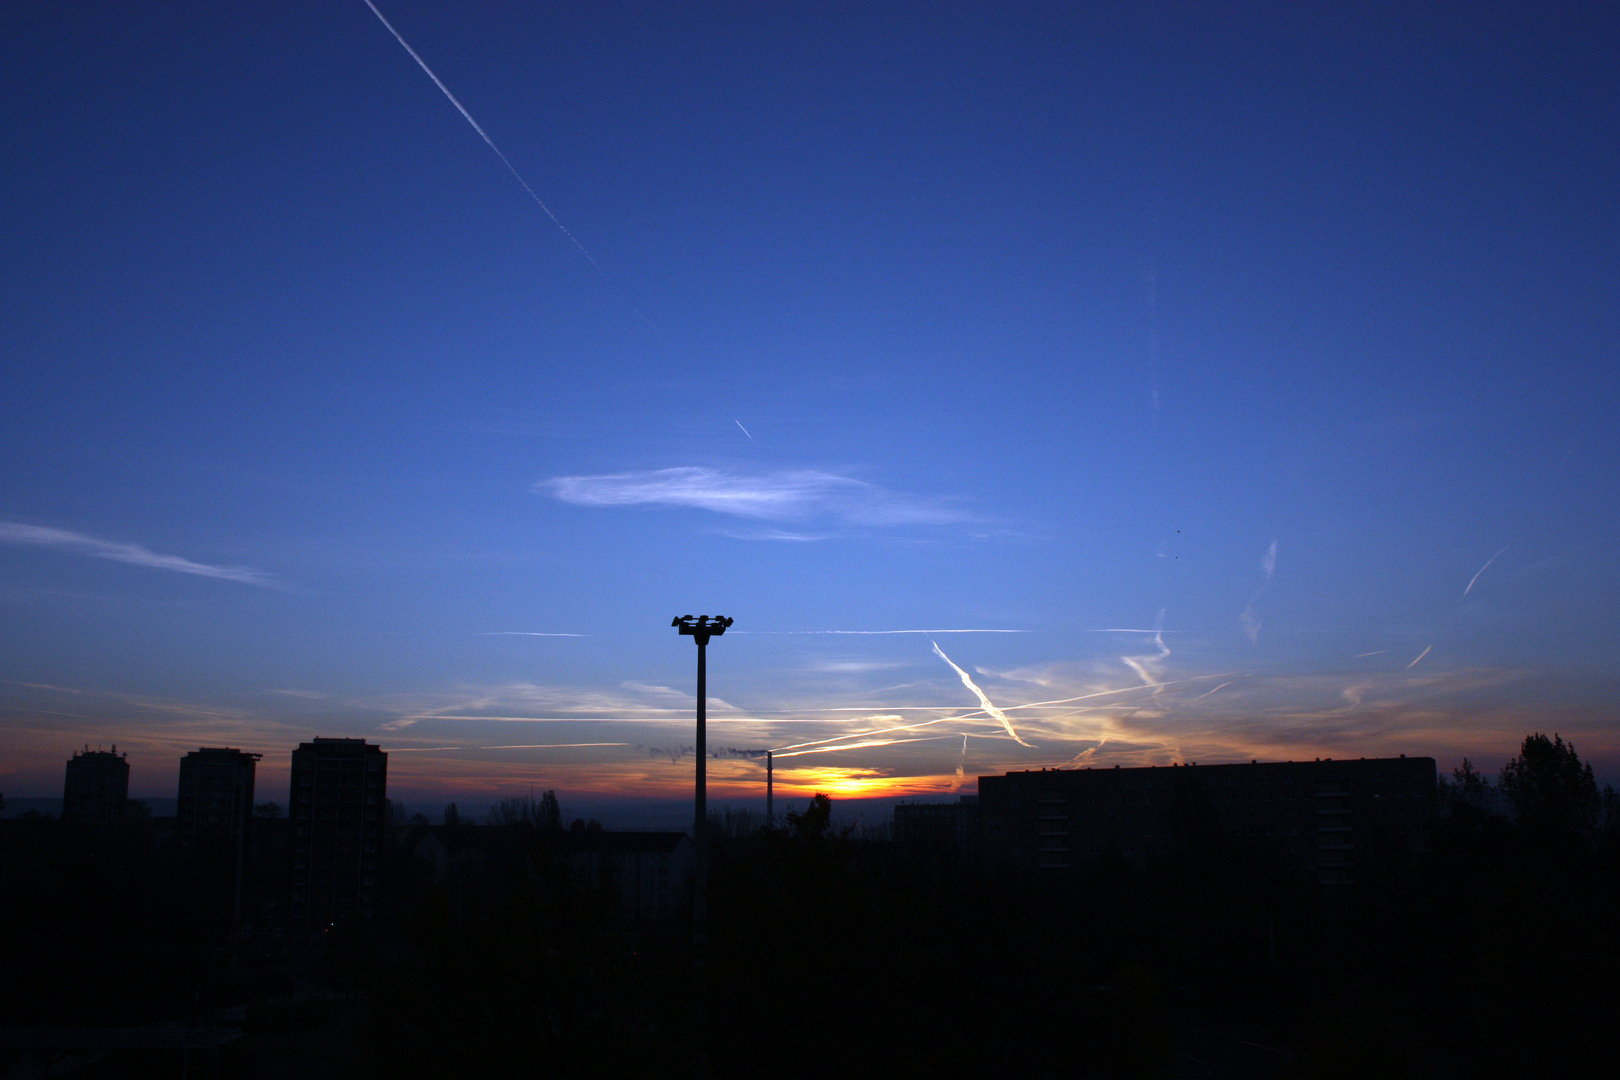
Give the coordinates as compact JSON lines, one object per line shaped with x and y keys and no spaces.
{"x":700,"y":798}
{"x":700,"y":630}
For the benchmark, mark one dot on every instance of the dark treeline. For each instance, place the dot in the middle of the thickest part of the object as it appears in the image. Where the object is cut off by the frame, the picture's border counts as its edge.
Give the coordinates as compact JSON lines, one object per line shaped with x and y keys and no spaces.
{"x":1493,"y":953}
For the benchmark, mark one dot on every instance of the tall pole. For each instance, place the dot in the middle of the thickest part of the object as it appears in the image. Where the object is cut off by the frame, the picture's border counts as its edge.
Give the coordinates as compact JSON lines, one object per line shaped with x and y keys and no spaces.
{"x":700,"y":818}
{"x":700,"y":630}
{"x":770,"y":790}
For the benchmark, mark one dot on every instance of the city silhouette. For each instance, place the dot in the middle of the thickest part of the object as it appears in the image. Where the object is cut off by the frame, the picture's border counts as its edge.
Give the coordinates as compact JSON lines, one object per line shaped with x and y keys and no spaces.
{"x":1329,"y":917}
{"x":1156,"y":461}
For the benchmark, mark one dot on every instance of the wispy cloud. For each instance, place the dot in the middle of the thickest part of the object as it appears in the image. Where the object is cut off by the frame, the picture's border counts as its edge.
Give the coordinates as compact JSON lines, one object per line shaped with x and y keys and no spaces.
{"x":1249,"y":617}
{"x":775,"y":496}
{"x":12,"y":532}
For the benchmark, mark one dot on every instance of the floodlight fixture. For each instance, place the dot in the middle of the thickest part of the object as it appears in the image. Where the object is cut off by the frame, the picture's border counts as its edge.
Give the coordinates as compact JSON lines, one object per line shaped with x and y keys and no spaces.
{"x":702,"y":627}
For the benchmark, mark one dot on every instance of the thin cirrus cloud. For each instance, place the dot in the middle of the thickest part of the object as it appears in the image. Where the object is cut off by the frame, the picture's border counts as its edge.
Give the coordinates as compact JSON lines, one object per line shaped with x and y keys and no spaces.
{"x":785,"y":495}
{"x":12,"y":532}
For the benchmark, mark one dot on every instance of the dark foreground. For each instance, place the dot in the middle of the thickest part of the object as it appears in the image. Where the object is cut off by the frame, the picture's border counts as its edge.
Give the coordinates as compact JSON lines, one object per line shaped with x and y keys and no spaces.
{"x":1495,"y":954}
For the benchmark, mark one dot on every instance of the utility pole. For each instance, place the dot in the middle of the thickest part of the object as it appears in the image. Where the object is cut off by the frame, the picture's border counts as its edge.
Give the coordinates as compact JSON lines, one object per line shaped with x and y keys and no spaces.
{"x":700,"y":630}
{"x":770,"y":790}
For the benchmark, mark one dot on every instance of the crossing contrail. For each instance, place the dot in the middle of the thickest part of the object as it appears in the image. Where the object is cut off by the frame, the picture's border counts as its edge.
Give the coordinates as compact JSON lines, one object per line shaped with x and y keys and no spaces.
{"x":738,"y":422}
{"x":880,"y":731}
{"x":984,"y":702}
{"x":1139,"y":664}
{"x":859,"y":745}
{"x":485,"y":136}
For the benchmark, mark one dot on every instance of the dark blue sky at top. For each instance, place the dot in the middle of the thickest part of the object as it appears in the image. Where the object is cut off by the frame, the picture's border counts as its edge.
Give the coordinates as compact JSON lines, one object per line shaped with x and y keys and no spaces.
{"x":1049,"y":318}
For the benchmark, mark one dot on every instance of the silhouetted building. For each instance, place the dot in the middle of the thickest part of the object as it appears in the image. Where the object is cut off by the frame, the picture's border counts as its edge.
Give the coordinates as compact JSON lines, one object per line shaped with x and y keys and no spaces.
{"x":950,"y":826}
{"x":215,"y":803}
{"x":213,"y":818}
{"x":335,"y":811}
{"x":647,"y":871}
{"x":96,"y":787}
{"x":1321,"y":814}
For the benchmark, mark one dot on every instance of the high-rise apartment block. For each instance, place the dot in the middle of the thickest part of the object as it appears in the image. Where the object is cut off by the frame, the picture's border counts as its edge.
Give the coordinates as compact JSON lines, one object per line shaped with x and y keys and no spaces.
{"x":335,"y":812}
{"x":96,"y":787}
{"x":215,"y":804}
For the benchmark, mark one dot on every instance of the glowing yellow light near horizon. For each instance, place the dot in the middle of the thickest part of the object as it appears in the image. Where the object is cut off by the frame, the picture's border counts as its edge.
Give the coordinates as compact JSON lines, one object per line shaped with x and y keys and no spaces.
{"x":851,"y":783}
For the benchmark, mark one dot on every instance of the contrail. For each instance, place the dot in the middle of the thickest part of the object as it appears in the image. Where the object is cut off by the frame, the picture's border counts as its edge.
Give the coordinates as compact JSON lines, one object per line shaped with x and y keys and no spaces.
{"x":1484,"y":568}
{"x":738,"y":422}
{"x":1121,"y":690}
{"x":878,"y":731}
{"x":1129,"y":630}
{"x":972,"y":716}
{"x":526,"y":633}
{"x":1089,"y":751}
{"x":1206,"y":693}
{"x":1139,"y":663}
{"x":1364,"y":655}
{"x":984,"y":702}
{"x":485,"y":136}
{"x":871,"y":632}
{"x":860,"y":745}
{"x":522,"y":746}
{"x":1420,"y":656}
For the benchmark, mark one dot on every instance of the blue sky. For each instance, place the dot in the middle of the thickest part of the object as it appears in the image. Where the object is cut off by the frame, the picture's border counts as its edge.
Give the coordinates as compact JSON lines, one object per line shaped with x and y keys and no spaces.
{"x":1253,"y":364}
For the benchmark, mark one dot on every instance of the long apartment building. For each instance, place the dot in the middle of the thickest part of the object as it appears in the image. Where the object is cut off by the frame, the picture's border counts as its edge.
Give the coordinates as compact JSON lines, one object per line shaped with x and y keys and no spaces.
{"x":335,"y":812}
{"x":1323,"y":815}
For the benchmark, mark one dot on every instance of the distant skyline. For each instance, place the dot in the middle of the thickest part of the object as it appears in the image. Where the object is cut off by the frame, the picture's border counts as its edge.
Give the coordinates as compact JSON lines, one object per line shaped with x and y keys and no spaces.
{"x":1041,"y":385}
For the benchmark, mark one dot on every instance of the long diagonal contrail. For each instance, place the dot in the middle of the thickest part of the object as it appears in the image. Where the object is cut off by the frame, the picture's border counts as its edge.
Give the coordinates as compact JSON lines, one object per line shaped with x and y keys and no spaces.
{"x":984,"y":702}
{"x":485,"y":136}
{"x":1482,"y":569}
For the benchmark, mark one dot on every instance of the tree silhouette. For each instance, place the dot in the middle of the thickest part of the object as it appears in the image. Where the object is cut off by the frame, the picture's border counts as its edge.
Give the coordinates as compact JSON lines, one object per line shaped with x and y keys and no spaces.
{"x":1551,"y":792}
{"x":816,"y":820}
{"x":544,"y":813}
{"x":549,"y":817}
